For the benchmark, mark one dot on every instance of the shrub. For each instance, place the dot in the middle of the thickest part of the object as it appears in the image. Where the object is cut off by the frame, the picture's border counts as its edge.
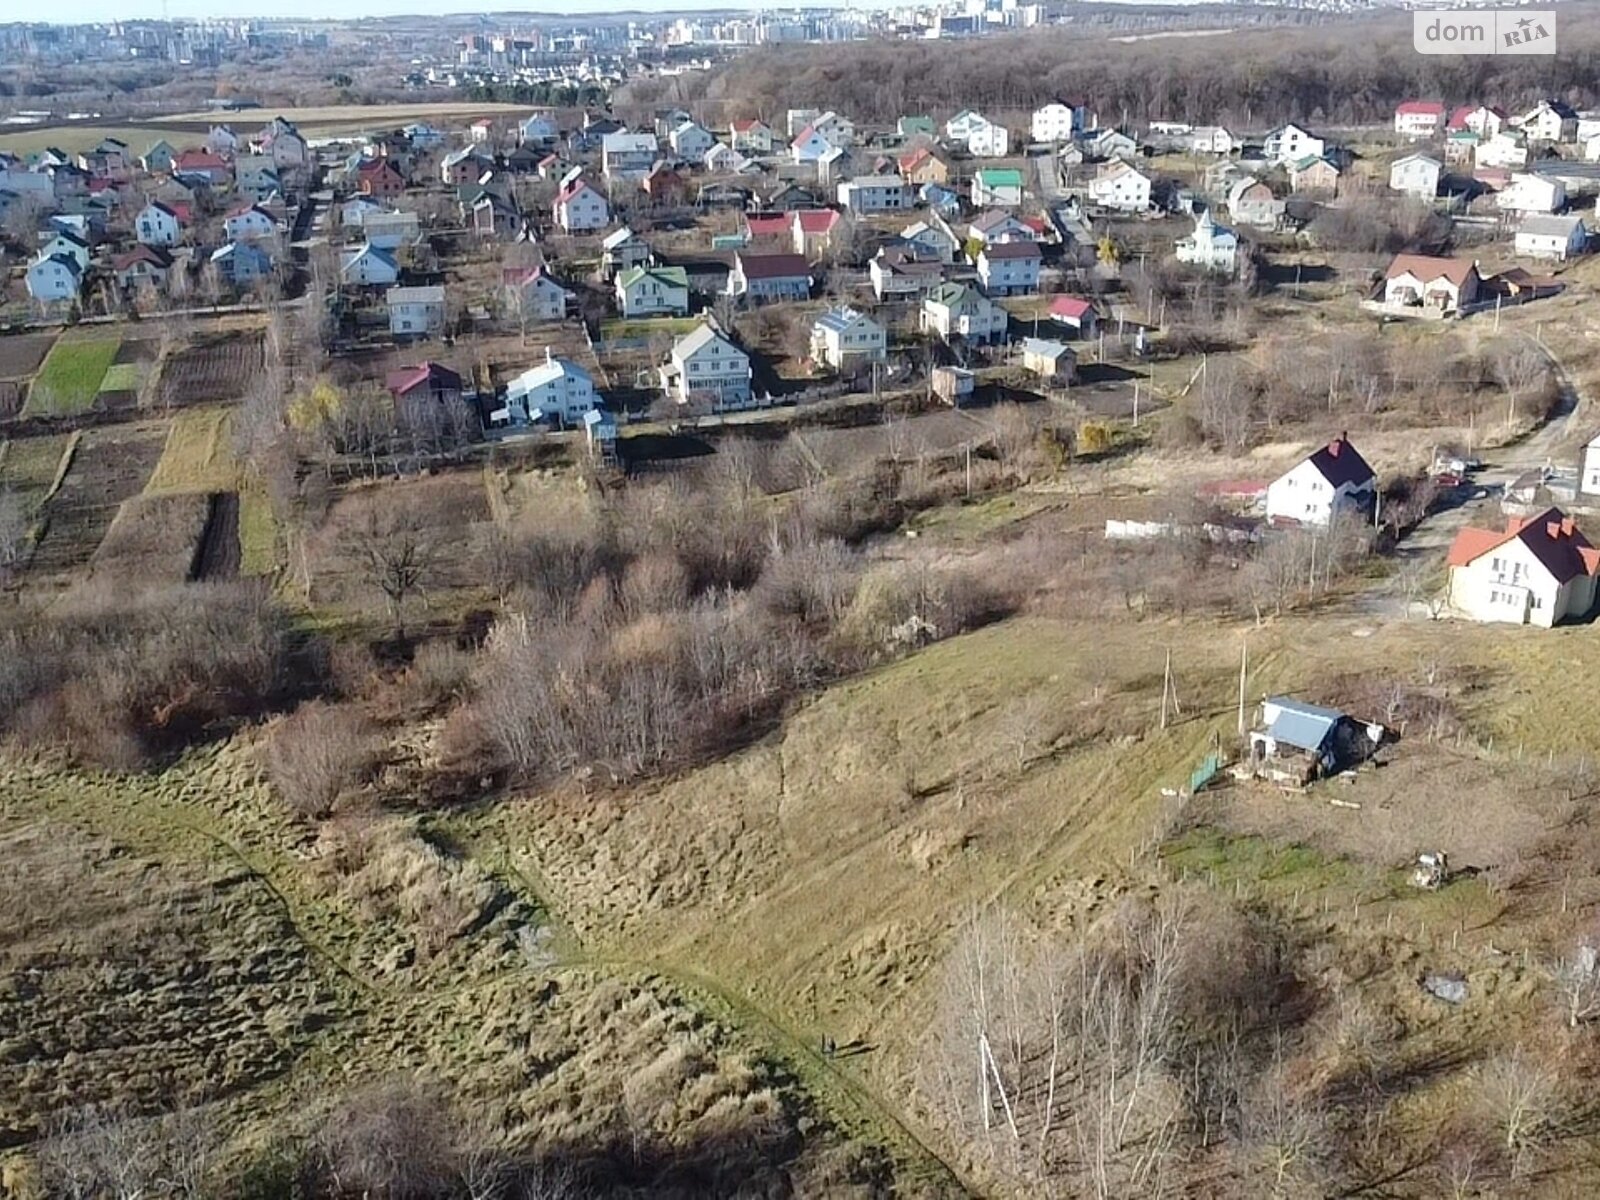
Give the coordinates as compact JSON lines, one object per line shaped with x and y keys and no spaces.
{"x":316,"y":753}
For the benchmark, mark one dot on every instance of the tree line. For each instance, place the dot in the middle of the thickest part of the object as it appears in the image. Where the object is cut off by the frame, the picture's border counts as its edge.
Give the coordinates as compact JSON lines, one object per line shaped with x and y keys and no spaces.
{"x":1348,"y":72}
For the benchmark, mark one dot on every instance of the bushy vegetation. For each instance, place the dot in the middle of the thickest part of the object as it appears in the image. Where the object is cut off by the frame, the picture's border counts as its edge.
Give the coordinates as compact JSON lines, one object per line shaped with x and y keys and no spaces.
{"x":116,"y":681}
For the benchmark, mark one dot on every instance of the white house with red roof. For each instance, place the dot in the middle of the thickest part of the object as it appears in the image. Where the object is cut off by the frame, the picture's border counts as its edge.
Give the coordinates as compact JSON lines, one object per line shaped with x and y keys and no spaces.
{"x":1538,"y":570}
{"x":1333,"y":480}
{"x":580,"y":208}
{"x":1482,"y":119}
{"x":809,"y":145}
{"x":751,"y":136}
{"x":1418,"y":118}
{"x":813,"y":231}
{"x":1076,"y":314}
{"x":531,"y":295}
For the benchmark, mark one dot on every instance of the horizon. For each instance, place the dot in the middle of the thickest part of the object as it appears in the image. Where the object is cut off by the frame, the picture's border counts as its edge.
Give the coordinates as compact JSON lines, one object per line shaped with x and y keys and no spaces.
{"x":105,"y":12}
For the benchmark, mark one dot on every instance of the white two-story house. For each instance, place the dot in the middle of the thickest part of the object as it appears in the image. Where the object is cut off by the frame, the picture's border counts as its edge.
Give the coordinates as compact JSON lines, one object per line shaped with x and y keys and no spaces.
{"x":706,"y":368}
{"x":1333,"y":480}
{"x":1538,"y":570}
{"x":558,"y":390}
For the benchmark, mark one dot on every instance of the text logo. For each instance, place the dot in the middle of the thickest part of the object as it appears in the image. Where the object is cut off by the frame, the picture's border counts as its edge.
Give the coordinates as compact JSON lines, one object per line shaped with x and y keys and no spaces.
{"x":1484,"y":31}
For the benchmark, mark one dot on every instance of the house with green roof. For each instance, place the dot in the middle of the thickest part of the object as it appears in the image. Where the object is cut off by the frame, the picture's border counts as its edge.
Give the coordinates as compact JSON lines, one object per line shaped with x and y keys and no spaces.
{"x":957,"y":310}
{"x":997,"y":186}
{"x":653,"y":292}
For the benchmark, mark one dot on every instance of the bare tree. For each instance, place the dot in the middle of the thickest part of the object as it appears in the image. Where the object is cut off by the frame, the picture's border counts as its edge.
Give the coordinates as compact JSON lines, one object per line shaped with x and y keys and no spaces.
{"x":1285,"y":1125}
{"x":393,"y":1139}
{"x":1523,"y":372}
{"x":398,"y":551}
{"x":1577,"y":981}
{"x":13,"y":535}
{"x":1522,"y":1097}
{"x":316,"y":753}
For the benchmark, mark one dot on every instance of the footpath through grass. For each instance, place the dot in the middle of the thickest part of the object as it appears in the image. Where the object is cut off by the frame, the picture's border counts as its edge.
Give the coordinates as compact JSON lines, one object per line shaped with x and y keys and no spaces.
{"x":71,"y":376}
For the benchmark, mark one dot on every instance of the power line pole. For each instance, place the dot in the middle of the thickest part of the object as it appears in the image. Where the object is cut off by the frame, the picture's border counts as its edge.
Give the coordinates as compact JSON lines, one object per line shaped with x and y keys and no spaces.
{"x":1244,"y":667}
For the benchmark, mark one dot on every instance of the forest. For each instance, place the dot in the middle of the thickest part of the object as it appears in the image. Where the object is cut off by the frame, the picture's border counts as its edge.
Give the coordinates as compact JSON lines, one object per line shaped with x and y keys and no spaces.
{"x":1340,"y":73}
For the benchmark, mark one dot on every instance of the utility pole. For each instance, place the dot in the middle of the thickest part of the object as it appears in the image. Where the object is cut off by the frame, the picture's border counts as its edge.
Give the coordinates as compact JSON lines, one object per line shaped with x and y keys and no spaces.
{"x":1244,"y":666}
{"x":1166,"y":687}
{"x":1136,"y":404}
{"x":969,"y":470}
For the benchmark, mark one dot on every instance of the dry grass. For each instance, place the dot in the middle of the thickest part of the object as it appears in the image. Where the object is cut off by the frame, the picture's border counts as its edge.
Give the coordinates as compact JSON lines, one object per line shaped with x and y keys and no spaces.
{"x":153,"y":539}
{"x":198,"y":456}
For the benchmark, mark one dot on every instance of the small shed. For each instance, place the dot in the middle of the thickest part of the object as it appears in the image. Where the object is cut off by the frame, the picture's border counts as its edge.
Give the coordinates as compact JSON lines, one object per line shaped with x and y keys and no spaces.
{"x":954,"y":385}
{"x":1298,"y":742}
{"x":1054,"y":362}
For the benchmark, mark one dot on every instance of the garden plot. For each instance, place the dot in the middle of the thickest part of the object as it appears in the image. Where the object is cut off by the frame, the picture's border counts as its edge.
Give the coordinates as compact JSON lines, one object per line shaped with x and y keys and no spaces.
{"x":153,"y":540}
{"x":213,"y":371}
{"x":109,"y":466}
{"x":126,"y":376}
{"x":70,"y":379}
{"x":28,"y":467}
{"x":21,"y":354}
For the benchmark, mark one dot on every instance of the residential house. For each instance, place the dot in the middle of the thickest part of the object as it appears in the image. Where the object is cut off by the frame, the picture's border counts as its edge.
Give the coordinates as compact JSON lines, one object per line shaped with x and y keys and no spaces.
{"x":844,"y":339}
{"x":1056,"y":363}
{"x":988,"y":140}
{"x":790,"y":197}
{"x":391,"y":230}
{"x":874,"y":193}
{"x":256,"y":175}
{"x":70,"y":244}
{"x":466,"y":165}
{"x":531,"y":294}
{"x":910,"y":127}
{"x":996,"y":186}
{"x":381,"y":178}
{"x":283,"y":142}
{"x":934,"y":238}
{"x":367,"y":266}
{"x":481,"y":131}
{"x":54,"y":279}
{"x":705,"y":368}
{"x":1507,"y":148}
{"x":809,"y":145}
{"x":1288,"y":143}
{"x":1313,"y":175}
{"x":1060,"y":121}
{"x":1551,"y":122}
{"x":1333,"y":481}
{"x":666,"y":185}
{"x":1106,"y":144}
{"x":222,"y":140}
{"x":1075,"y":314}
{"x":653,"y":292}
{"x":835,"y":165}
{"x":158,"y":225}
{"x":922,"y":166}
{"x":1211,"y":247}
{"x":690,"y":141}
{"x":416,"y":311}
{"x":959,"y":127}
{"x":1009,"y":268}
{"x":1416,"y":175}
{"x":1298,"y":743}
{"x":939,"y":199}
{"x":771,"y":228}
{"x":1251,"y":202}
{"x":158,"y":159}
{"x":997,"y":225}
{"x":955,"y":310}
{"x":1530,"y":193}
{"x":1121,"y":187}
{"x":142,"y":267}
{"x":32,"y":185}
{"x":526,"y":160}
{"x":238,"y":265}
{"x":954,"y":385}
{"x":814,"y":232}
{"x":764,"y":277}
{"x":899,"y":272}
{"x":424,"y":386}
{"x":354,"y":211}
{"x":1212,"y":139}
{"x":622,"y":250}
{"x":213,"y":168}
{"x":249,"y":223}
{"x":1418,"y":118}
{"x":558,"y":390}
{"x":538,"y":129}
{"x":1443,"y":284}
{"x":1544,"y":236}
{"x":1538,"y":570}
{"x":492,"y":215}
{"x":723,"y":159}
{"x":580,"y":208}
{"x":1480,"y":119}
{"x":838,"y":129}
{"x":423,"y":136}
{"x":751,"y":136}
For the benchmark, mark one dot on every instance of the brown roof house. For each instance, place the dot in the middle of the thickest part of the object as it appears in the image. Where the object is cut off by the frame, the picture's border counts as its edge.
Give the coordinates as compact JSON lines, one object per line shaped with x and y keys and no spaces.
{"x":1444,"y":285}
{"x":1332,"y":481}
{"x":1538,"y":570}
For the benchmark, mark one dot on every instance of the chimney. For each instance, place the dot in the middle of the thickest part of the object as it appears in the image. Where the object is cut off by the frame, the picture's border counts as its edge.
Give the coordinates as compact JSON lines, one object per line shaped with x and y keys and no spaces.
{"x":1568,"y":526}
{"x":1553,"y":529}
{"x":547,"y":356}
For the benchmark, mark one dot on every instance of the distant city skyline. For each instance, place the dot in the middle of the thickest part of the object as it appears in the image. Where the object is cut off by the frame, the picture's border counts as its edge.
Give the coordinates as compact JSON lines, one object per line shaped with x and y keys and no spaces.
{"x":89,"y":12}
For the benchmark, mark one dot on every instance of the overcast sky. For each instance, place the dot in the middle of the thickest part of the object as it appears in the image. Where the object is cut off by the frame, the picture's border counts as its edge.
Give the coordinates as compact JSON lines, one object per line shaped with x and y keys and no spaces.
{"x":82,"y":11}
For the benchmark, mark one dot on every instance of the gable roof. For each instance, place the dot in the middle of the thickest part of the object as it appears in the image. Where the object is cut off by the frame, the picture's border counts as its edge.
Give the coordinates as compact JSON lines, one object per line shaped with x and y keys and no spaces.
{"x":697,"y":340}
{"x":1546,"y":225}
{"x":408,"y":379}
{"x":1427,"y":268}
{"x":1420,"y":108}
{"x":1000,"y":177}
{"x":430,"y":294}
{"x":1551,"y":536}
{"x":1341,"y":464}
{"x":142,"y":254}
{"x":948,"y":295}
{"x":819,"y":220}
{"x":673,"y":276}
{"x":1071,"y":307}
{"x":1021,"y":249}
{"x":773,"y":266}
{"x":1302,"y":726}
{"x":839,"y":319}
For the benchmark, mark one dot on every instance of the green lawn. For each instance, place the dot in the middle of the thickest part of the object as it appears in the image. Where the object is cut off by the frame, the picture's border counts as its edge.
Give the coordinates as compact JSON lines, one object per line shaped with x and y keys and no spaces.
{"x":123,"y":377}
{"x":71,"y":376}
